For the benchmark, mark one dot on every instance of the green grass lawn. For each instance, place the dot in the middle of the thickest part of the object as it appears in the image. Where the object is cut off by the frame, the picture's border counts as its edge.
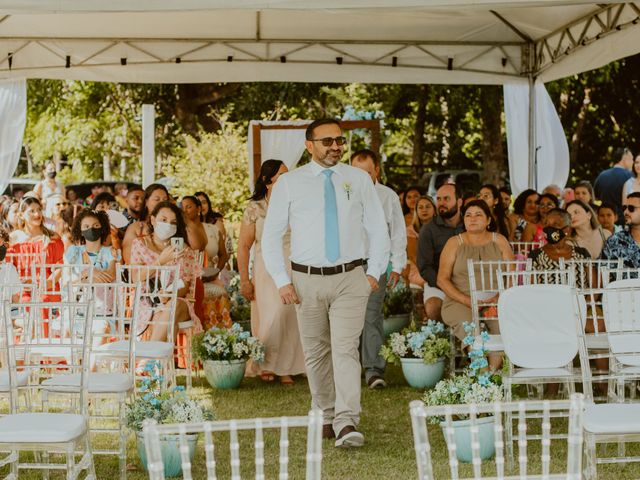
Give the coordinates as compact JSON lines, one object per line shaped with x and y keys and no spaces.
{"x":388,"y":452}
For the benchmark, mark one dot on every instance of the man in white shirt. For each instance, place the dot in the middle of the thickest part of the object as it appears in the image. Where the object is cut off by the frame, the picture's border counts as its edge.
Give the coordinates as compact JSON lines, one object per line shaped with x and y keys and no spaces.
{"x":373,"y":333}
{"x":331,"y":209}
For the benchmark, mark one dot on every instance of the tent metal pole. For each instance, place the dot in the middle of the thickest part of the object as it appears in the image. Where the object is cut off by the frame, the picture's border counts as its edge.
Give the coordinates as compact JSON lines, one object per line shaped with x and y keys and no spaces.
{"x":533,"y":180}
{"x":148,"y":144}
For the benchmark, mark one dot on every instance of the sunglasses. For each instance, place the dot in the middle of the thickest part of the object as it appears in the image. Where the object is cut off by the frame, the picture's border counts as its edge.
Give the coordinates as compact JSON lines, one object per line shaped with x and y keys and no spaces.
{"x":328,"y":141}
{"x":631,"y":208}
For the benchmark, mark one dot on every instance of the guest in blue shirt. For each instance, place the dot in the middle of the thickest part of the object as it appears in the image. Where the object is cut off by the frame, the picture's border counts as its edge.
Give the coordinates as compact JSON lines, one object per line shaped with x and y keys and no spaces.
{"x":626,"y":244}
{"x":608,"y":186}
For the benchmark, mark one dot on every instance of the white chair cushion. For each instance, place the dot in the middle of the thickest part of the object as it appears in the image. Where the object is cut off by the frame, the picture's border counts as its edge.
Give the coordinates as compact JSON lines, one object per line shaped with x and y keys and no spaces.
{"x":150,"y":349}
{"x":98,"y":383}
{"x":22,"y":377}
{"x":41,"y":427}
{"x":597,"y":342}
{"x":614,"y":418}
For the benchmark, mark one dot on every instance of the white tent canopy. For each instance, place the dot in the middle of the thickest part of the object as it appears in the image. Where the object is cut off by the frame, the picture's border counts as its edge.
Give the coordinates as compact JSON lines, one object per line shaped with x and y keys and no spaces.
{"x":395,"y":41}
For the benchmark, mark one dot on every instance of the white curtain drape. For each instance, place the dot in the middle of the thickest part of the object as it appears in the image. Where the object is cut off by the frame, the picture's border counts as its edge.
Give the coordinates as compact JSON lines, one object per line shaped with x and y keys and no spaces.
{"x":13,"y":116}
{"x":280,"y":144}
{"x":551,"y":142}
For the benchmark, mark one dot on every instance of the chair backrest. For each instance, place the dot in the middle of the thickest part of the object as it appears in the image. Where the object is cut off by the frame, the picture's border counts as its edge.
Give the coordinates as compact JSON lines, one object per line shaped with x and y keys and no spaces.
{"x":619,"y":273}
{"x":483,"y":285}
{"x":159,"y":292}
{"x":520,"y":412}
{"x":511,"y":278}
{"x":522,"y":249}
{"x":52,"y":278}
{"x":313,"y":423}
{"x":539,"y":325}
{"x":66,"y":345}
{"x":24,"y":260}
{"x":621,"y":310}
{"x":590,"y":273}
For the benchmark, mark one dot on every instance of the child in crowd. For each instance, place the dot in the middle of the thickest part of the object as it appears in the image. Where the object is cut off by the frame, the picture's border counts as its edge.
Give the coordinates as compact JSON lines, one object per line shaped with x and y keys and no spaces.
{"x":608,"y":217}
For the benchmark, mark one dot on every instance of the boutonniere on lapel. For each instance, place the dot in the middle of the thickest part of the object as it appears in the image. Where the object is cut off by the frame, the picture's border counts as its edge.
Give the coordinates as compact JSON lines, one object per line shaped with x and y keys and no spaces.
{"x":347,"y":189}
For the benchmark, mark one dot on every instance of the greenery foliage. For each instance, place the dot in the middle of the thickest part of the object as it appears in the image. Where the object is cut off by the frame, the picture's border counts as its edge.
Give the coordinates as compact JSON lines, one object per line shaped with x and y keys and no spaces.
{"x":227,"y":344}
{"x":430,"y":343}
{"x":173,"y":406}
{"x":398,"y":300}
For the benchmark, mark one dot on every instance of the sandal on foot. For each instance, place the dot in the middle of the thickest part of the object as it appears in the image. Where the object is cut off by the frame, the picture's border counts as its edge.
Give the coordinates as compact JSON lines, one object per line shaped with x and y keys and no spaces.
{"x":267,"y":377}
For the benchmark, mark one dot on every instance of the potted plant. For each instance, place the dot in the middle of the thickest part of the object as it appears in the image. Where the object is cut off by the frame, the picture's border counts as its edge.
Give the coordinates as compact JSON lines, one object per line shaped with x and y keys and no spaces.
{"x":476,"y":385}
{"x":173,"y":406}
{"x":224,"y":353}
{"x":240,"y":307}
{"x":397,"y":308}
{"x":420,"y":352}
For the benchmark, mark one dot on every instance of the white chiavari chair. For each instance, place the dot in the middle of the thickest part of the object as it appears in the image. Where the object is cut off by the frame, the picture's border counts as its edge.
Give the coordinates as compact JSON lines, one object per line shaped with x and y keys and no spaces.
{"x":313,"y":422}
{"x":112,"y":378}
{"x":522,"y":249}
{"x":527,"y":416}
{"x":155,"y":327}
{"x":39,"y":426}
{"x":616,"y":420}
{"x":24,"y":261}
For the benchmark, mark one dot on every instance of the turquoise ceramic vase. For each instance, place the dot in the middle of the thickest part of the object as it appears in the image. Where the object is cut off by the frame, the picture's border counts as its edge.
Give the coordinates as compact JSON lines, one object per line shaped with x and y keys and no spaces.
{"x":170,"y":450}
{"x":223,"y":374}
{"x":395,"y":323}
{"x":462,"y":434}
{"x":421,"y":375}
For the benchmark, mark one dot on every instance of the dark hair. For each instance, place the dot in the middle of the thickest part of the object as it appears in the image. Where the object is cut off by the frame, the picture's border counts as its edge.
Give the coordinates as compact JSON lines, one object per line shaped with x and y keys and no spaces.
{"x":634,"y":195}
{"x":76,"y":232}
{"x":608,"y":205}
{"x":135,"y":188}
{"x":180,"y":224}
{"x":587,"y":185}
{"x":196,"y":201}
{"x":619,"y":153}
{"x":551,"y":197}
{"x":481,"y":204}
{"x":23,"y":206}
{"x":521,"y":200}
{"x":147,"y":193}
{"x":102,"y":197}
{"x":209,"y":216}
{"x":6,"y":206}
{"x":365,"y":152}
{"x":405,"y":207}
{"x":456,"y":188}
{"x":268,"y":170}
{"x":587,"y":208}
{"x":308,"y":134}
{"x":505,"y":189}
{"x":499,"y":214}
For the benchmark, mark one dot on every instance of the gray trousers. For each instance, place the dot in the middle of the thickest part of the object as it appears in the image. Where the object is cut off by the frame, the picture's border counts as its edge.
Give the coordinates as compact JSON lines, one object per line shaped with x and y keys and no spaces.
{"x":373,"y":335}
{"x":330,"y":318}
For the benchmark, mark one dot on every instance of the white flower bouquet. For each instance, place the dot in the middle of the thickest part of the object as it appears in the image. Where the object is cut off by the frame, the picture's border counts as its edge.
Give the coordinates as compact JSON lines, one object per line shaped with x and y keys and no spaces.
{"x":227,"y":344}
{"x":430,"y":343}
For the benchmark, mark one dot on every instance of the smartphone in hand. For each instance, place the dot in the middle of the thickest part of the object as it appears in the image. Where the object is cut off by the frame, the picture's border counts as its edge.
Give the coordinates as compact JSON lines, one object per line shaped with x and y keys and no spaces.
{"x":178,"y":244}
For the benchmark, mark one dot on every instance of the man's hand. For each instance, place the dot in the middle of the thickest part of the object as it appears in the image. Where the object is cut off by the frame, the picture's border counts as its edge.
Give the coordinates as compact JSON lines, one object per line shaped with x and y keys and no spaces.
{"x":288,"y":294}
{"x":394,"y":278}
{"x":373,"y":282}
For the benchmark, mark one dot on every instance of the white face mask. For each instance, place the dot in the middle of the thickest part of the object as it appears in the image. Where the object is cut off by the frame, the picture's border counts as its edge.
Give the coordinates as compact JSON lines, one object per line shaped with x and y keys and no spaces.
{"x":165,"y":230}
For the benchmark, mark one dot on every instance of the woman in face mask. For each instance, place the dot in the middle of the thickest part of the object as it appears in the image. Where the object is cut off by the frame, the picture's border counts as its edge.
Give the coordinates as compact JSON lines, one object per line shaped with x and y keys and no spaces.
{"x":49,"y":186}
{"x":557,"y":227}
{"x":167,"y":222}
{"x":89,"y":231}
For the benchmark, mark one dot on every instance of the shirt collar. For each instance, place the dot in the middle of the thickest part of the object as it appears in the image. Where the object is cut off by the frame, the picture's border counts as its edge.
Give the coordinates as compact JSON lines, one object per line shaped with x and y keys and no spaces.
{"x":317,"y":169}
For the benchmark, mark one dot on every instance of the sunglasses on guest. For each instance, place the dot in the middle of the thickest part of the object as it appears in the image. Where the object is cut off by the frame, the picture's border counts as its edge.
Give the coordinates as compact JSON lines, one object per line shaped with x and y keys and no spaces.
{"x":631,"y":208}
{"x":328,"y":141}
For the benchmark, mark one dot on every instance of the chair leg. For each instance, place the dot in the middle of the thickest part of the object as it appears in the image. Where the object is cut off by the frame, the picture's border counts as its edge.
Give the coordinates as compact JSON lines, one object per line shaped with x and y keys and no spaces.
{"x":91,"y":468}
{"x":508,"y":425}
{"x":591,"y":469}
{"x":122,"y":457}
{"x":71,"y":468}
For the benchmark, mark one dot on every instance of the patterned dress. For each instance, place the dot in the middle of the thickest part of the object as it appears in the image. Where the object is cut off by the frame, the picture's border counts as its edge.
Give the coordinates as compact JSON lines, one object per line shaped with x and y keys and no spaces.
{"x":622,"y":245}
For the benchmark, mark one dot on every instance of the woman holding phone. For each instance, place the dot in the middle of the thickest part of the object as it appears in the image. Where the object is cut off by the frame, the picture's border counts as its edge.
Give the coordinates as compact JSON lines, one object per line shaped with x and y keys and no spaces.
{"x":163,"y":247}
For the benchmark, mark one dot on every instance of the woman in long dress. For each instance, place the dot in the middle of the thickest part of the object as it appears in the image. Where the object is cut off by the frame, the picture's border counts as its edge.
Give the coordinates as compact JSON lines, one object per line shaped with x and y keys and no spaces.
{"x":272,"y":322}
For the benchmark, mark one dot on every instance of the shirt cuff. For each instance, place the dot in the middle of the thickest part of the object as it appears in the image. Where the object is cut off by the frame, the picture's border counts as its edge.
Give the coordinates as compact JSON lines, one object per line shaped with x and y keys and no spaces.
{"x":281,"y":280}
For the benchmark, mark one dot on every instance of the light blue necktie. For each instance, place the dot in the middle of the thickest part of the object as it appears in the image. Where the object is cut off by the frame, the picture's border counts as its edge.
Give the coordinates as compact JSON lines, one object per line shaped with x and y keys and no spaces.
{"x":331,"y":236}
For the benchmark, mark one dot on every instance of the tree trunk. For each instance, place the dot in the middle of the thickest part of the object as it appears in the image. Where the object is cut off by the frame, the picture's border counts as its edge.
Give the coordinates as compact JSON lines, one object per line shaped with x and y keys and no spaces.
{"x":493,"y":161}
{"x":574,"y":147}
{"x":417,"y":157}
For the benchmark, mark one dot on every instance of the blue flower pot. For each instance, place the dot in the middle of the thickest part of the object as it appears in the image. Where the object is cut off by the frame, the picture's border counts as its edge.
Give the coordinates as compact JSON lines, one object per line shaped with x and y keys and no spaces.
{"x":224,"y":374}
{"x":395,"y":323}
{"x":170,"y":451}
{"x":421,"y":375}
{"x":462,"y":436}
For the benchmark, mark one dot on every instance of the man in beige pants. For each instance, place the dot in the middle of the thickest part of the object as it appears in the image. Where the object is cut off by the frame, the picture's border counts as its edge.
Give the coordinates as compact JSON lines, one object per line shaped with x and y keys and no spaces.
{"x":331,"y":208}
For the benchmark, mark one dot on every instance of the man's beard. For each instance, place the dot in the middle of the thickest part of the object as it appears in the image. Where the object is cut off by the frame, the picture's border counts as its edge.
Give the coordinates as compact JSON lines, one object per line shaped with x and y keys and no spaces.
{"x":449,"y":213}
{"x":328,"y":160}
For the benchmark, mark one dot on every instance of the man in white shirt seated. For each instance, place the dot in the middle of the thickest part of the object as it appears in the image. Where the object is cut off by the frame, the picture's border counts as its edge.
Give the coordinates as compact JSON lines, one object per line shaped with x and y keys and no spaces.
{"x":373,"y":333}
{"x":331,"y":209}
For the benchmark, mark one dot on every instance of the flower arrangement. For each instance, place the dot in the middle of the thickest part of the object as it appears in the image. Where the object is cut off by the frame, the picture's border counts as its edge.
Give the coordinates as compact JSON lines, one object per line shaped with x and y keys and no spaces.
{"x":173,"y":406}
{"x":476,"y":385}
{"x":398,"y":300}
{"x":240,"y":306}
{"x":227,"y":344}
{"x":430,"y":343}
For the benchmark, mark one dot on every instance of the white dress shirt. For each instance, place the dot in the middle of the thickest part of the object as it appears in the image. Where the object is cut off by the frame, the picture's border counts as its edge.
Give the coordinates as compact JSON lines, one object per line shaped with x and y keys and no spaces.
{"x":396,"y":226}
{"x":297,"y":200}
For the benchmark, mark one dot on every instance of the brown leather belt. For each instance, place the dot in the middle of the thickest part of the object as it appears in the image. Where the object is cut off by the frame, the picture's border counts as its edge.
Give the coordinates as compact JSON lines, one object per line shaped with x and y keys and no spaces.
{"x":345,"y":267}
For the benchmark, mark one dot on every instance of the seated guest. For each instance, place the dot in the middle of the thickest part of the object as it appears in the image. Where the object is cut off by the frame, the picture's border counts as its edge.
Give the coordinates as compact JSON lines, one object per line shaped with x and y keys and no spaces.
{"x":409,"y":200}
{"x":525,"y":211}
{"x":154,"y":194}
{"x":608,"y":218}
{"x":479,"y":241}
{"x":585,"y":229}
{"x":533,"y":232}
{"x":584,"y":191}
{"x":626,"y":244}
{"x":491,"y":196}
{"x":8,"y":273}
{"x":423,"y":213}
{"x":155,"y":249}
